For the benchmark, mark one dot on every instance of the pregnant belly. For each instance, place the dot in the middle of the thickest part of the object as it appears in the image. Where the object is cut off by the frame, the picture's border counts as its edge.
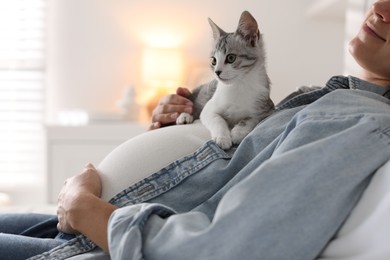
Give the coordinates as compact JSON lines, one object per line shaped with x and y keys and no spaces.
{"x":145,"y":154}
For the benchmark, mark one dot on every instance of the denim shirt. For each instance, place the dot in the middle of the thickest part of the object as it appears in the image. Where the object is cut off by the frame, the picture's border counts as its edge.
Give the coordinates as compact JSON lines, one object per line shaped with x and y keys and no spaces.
{"x":255,"y":201}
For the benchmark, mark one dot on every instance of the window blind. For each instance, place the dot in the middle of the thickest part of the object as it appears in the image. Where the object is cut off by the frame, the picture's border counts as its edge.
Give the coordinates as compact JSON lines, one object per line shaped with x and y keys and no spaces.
{"x":22,"y":64}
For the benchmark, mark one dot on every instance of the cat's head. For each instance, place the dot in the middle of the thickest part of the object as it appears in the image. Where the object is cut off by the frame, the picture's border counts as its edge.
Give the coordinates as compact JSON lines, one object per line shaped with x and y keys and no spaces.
{"x":235,"y":54}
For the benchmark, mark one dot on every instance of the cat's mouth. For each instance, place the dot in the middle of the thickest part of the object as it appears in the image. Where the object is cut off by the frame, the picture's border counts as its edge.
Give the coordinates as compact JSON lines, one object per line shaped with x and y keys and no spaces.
{"x":225,"y":80}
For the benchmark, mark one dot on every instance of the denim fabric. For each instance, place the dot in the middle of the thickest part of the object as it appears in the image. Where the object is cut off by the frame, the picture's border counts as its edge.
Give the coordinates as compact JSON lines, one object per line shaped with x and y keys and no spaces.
{"x":287,"y":203}
{"x":281,"y":194}
{"x":25,"y":224}
{"x":32,"y":233}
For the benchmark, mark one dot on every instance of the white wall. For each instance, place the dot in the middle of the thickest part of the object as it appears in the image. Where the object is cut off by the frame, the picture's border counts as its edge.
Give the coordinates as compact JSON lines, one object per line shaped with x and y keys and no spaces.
{"x":95,"y":46}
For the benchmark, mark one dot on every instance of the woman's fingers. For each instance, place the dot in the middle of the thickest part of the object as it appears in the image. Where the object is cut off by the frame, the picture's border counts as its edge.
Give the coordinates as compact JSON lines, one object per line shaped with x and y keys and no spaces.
{"x":170,"y":107}
{"x":184,"y":92}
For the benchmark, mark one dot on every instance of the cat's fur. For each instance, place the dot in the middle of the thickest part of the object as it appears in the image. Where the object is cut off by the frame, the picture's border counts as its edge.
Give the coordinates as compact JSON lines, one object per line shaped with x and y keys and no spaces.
{"x":232,"y":104}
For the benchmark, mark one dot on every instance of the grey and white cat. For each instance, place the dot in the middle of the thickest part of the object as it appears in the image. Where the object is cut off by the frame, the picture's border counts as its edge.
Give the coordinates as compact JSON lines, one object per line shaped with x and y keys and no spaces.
{"x":232,"y":104}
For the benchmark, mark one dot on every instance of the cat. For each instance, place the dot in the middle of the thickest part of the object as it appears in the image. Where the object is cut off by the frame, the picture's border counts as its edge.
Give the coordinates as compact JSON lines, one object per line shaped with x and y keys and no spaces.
{"x":233,"y":103}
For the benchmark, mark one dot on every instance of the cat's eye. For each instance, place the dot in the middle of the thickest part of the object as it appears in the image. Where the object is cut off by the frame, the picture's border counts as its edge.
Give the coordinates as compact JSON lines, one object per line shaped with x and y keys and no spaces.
{"x":213,"y":61}
{"x":230,"y":58}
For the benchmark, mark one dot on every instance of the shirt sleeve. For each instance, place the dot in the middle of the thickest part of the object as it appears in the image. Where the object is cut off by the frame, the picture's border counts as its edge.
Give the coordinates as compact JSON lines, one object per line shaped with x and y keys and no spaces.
{"x":126,"y":226}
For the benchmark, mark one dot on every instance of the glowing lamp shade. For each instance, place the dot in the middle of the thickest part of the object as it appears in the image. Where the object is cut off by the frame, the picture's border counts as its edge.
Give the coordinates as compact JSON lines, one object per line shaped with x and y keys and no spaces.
{"x":162,"y":68}
{"x":162,"y":73}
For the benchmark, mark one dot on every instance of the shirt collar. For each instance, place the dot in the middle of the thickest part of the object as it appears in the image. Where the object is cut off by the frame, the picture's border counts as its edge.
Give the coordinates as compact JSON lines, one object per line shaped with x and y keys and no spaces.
{"x":356,"y":83}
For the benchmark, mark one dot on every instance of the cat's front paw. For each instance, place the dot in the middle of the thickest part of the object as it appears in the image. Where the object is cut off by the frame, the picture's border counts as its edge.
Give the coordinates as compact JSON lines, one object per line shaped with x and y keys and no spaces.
{"x":225,"y":142}
{"x":184,"y":118}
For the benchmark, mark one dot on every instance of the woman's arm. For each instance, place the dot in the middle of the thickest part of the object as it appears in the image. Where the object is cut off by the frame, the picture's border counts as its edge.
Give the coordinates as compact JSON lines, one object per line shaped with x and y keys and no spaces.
{"x":80,"y":209}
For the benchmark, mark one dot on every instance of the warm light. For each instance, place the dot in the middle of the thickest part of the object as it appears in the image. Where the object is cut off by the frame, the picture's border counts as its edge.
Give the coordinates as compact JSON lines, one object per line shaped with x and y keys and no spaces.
{"x":162,"y":72}
{"x":162,"y":67}
{"x":4,"y":199}
{"x":162,"y":38}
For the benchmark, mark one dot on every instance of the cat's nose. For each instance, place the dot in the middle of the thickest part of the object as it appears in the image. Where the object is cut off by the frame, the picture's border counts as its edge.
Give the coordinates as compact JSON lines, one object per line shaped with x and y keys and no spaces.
{"x":218,"y":72}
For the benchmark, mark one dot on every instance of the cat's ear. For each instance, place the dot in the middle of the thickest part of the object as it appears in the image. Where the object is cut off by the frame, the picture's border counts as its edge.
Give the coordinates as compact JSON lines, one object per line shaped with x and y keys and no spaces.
{"x":217,"y":32}
{"x":248,"y":28}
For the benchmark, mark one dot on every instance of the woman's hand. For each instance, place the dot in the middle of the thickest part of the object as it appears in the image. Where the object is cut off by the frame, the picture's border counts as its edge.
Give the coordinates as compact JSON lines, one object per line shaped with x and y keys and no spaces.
{"x":80,"y":209}
{"x":170,"y":107}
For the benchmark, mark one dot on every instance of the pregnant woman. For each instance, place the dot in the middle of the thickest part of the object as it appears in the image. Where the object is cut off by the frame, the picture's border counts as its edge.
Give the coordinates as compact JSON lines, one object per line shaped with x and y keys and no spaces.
{"x":283,"y":193}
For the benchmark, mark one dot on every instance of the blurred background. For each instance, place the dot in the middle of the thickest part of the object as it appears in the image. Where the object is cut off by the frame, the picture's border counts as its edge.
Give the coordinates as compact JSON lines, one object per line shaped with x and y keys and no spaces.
{"x":95,"y":48}
{"x":77,"y":76}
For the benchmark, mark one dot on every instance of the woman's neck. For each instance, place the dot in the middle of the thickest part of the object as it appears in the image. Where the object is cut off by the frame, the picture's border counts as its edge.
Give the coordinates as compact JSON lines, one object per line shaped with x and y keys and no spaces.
{"x":375,"y":79}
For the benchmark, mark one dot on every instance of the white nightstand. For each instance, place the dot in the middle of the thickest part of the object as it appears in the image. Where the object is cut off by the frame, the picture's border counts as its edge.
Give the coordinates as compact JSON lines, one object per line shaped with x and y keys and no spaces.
{"x":70,"y":148}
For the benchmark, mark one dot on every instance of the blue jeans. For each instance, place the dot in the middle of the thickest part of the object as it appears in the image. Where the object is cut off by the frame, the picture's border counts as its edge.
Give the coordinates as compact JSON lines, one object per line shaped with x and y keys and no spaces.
{"x":33,"y":232}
